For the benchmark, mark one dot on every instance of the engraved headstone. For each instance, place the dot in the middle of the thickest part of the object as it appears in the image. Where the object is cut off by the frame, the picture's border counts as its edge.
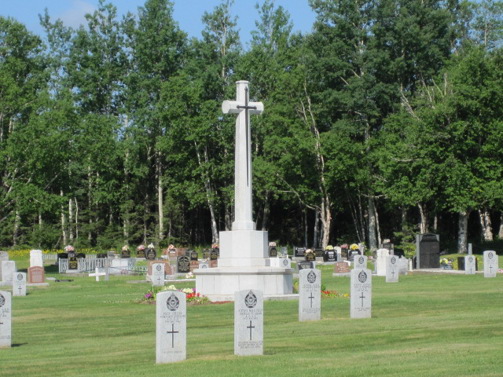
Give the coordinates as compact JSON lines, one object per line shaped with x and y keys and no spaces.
{"x":361,"y":294}
{"x":338,"y":253}
{"x":19,"y":284}
{"x":273,"y":251}
{"x":305,"y":265}
{"x":73,"y":264}
{"x":214,"y":254}
{"x":428,"y":250}
{"x":4,"y":256}
{"x":150,"y":254}
{"x":341,"y":268}
{"x":36,"y":275}
{"x":360,"y":261}
{"x":470,"y":266}
{"x":392,"y":269}
{"x":300,"y":252}
{"x":125,"y":253}
{"x":183,"y":264}
{"x":206,"y":253}
{"x":248,"y":323}
{"x":310,"y":257}
{"x":36,"y":258}
{"x":171,"y":327}
{"x":158,"y":274}
{"x":8,"y":271}
{"x":309,"y":295}
{"x":490,"y":264}
{"x":381,"y":261}
{"x":194,"y":256}
{"x":5,"y":319}
{"x":140,"y":252}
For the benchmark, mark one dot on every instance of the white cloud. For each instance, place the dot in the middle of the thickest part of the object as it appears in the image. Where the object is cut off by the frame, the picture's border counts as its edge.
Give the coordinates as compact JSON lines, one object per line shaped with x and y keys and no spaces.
{"x":75,"y":16}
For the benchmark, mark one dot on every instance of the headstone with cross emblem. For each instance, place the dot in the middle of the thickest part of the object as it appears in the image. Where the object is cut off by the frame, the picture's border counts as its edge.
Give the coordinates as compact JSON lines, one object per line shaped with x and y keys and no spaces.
{"x":360,"y":261}
{"x":171,"y":327}
{"x":392,"y":269}
{"x":309,"y":295}
{"x":470,"y":264}
{"x":19,"y":284}
{"x":248,"y":323}
{"x":361,"y":293}
{"x":490,"y":264}
{"x":157,"y":274}
{"x":5,"y":319}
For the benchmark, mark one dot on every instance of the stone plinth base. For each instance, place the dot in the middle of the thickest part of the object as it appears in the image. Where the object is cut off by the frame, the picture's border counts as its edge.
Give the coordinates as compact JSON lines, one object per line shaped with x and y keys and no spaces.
{"x":219,"y":284}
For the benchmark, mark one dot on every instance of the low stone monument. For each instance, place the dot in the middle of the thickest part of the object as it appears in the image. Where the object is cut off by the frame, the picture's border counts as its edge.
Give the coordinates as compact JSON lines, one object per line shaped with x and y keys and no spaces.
{"x":36,"y":259}
{"x":392,"y":269}
{"x":361,"y":293}
{"x":309,"y":295}
{"x":381,"y":261}
{"x":490,"y":264}
{"x":19,"y":284}
{"x":5,"y":319}
{"x":470,"y":265}
{"x":157,"y":274}
{"x":8,"y":271}
{"x":248,"y":323}
{"x":171,"y":327}
{"x":36,"y":275}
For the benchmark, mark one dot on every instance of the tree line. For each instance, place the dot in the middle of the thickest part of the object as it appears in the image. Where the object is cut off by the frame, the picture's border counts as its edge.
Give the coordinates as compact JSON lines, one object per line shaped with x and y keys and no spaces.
{"x":384,"y":121}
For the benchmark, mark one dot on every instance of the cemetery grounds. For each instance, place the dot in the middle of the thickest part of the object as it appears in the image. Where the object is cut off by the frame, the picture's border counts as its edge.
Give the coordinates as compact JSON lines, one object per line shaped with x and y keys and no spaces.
{"x":425,"y":325}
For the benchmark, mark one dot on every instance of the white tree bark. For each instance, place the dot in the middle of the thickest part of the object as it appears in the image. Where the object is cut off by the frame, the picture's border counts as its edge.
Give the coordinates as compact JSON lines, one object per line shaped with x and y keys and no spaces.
{"x":463,"y":231}
{"x":485,"y":224}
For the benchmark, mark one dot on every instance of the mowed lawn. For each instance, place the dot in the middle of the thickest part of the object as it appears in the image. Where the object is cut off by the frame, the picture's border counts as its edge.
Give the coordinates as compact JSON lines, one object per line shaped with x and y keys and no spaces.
{"x":425,"y":325}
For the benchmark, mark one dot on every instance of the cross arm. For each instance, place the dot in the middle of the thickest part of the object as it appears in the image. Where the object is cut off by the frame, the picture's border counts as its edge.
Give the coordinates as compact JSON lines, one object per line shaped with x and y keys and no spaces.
{"x":234,"y":107}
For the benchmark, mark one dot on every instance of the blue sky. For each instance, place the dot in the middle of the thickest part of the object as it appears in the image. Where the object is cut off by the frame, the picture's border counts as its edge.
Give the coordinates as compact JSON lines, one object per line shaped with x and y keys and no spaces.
{"x":187,"y":13}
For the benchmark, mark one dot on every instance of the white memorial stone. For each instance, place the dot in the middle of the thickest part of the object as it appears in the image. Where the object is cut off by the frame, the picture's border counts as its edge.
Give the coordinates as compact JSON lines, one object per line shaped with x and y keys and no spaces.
{"x":8,"y":271}
{"x":338,"y":252}
{"x":98,"y":272}
{"x":381,"y":261}
{"x":309,"y":295}
{"x":361,"y":293}
{"x":4,"y":256}
{"x":470,"y":266}
{"x":171,"y":327}
{"x":490,"y":264}
{"x":5,"y":319}
{"x":281,"y":262}
{"x":360,"y":261}
{"x":157,"y":274}
{"x":36,"y":259}
{"x":244,"y":251}
{"x":248,"y":323}
{"x":392,"y":269}
{"x":19,"y":284}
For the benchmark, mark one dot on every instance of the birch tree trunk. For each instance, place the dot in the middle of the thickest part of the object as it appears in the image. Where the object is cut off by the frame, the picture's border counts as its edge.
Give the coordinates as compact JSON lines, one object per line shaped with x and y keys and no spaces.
{"x":160,"y":196}
{"x":485,"y":224}
{"x":500,"y":233}
{"x":463,"y":231}
{"x":17,"y":225}
{"x":63,"y":222}
{"x":423,"y":225}
{"x":372,"y":224}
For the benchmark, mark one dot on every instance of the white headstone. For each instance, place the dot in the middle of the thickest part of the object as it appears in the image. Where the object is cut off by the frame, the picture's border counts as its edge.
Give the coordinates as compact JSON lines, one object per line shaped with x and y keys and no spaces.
{"x":361,"y":293}
{"x":171,"y":327}
{"x":5,"y":319}
{"x":392,"y":269}
{"x":281,"y":262}
{"x":470,"y":266}
{"x":360,"y":261}
{"x":490,"y":264}
{"x":4,"y":256}
{"x":248,"y":323}
{"x":157,"y":274}
{"x":309,"y":295}
{"x":36,"y":259}
{"x":98,"y":272}
{"x":338,"y":252}
{"x":381,"y":261}
{"x":19,"y":284}
{"x":8,"y":270}
{"x":403,"y":265}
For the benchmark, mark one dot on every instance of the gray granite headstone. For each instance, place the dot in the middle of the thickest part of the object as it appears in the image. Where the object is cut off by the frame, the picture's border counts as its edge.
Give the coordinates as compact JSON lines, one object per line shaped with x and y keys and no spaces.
{"x":361,"y":293}
{"x":8,"y":270}
{"x":171,"y":327}
{"x":157,"y":274}
{"x":470,"y":266}
{"x":5,"y":319}
{"x":360,"y":261}
{"x":392,"y":269}
{"x":248,"y":323}
{"x":309,"y":295}
{"x":490,"y":264}
{"x":19,"y":284}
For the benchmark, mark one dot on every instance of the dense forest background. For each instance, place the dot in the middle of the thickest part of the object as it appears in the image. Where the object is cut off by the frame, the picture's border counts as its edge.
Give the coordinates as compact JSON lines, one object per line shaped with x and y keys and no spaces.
{"x":383,"y":122}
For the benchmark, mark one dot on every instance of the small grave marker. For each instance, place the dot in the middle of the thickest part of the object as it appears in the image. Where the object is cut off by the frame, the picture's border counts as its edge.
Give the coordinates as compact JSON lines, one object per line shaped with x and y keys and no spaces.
{"x":171,"y":327}
{"x":97,"y":273}
{"x":5,"y":319}
{"x":36,"y":275}
{"x":309,"y":295}
{"x":490,"y":264}
{"x":470,"y":264}
{"x":392,"y":269}
{"x":361,"y":293}
{"x":8,"y":271}
{"x":158,"y":274}
{"x":19,"y":284}
{"x":248,"y":323}
{"x":360,"y":261}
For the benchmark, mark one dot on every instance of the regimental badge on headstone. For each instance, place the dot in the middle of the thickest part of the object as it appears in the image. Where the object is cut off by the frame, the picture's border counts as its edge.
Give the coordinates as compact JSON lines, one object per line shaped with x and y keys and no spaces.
{"x":360,"y":261}
{"x":171,"y":327}
{"x":183,"y":264}
{"x":248,"y":323}
{"x":490,"y":263}
{"x":392,"y":269}
{"x":5,"y":319}
{"x":150,"y":254}
{"x":361,"y":293}
{"x":309,"y":295}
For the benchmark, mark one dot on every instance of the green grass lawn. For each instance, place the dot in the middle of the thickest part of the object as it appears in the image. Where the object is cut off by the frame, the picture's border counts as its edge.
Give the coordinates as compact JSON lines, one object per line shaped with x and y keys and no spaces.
{"x":426,"y":325}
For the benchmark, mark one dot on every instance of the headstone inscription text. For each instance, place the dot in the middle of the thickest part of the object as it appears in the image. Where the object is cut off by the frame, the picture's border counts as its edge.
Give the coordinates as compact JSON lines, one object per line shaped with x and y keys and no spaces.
{"x":248,"y":323}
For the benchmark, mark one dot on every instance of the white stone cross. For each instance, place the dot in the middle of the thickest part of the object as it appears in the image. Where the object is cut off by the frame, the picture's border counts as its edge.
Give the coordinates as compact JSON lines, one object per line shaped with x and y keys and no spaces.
{"x":242,"y":170}
{"x":97,"y":273}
